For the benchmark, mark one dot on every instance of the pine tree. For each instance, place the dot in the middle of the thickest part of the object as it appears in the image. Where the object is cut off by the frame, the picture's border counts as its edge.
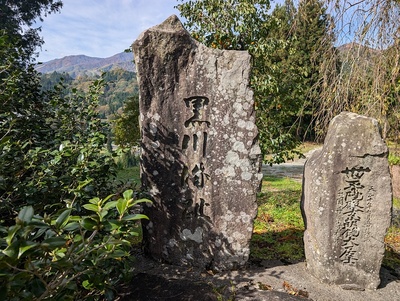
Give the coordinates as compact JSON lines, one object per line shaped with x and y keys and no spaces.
{"x":306,"y":30}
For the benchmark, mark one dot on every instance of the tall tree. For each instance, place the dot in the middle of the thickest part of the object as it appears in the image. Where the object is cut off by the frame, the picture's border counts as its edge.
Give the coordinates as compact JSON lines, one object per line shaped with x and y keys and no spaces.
{"x":245,"y":25}
{"x":126,"y":126}
{"x":283,"y":71}
{"x":17,"y":18}
{"x":311,"y":38}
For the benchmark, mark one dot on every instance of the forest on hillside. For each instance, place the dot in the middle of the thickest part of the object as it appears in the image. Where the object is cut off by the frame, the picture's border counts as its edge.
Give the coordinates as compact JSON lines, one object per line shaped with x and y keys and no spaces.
{"x":119,"y":86}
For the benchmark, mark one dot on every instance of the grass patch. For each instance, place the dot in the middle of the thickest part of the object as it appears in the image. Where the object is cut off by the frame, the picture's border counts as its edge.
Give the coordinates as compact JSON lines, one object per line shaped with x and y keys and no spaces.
{"x":396,"y":203}
{"x":129,"y":174}
{"x":393,"y":146}
{"x":279,"y":227}
{"x":284,"y":185}
{"x":392,"y":248}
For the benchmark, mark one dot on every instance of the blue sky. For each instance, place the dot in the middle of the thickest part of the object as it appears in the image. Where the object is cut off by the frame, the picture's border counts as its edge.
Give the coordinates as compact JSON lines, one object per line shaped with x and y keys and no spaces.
{"x":100,"y":28}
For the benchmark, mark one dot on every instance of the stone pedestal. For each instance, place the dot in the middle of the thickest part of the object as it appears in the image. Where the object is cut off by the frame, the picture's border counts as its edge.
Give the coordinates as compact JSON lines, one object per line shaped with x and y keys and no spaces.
{"x":200,"y":157}
{"x":346,"y":204}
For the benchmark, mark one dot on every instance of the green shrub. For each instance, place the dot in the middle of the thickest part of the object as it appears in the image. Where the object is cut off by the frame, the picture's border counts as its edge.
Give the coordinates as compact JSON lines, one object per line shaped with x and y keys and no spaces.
{"x":69,"y":240}
{"x":127,"y":158}
{"x":65,"y":256}
{"x":49,"y":143}
{"x":394,"y":159}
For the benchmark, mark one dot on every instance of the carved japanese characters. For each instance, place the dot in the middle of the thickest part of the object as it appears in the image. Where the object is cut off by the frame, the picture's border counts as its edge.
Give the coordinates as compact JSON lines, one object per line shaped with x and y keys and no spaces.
{"x":346,"y":204}
{"x":200,"y":158}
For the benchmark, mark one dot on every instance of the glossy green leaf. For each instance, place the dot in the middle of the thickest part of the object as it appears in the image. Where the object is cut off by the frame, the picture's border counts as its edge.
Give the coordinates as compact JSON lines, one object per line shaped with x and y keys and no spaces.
{"x":62,"y":220}
{"x":107,"y":198}
{"x":72,"y":226}
{"x":75,"y":218}
{"x":12,"y":250}
{"x":128,"y":194}
{"x":109,"y":205}
{"x":11,"y":232}
{"x":89,"y":224}
{"x":39,"y":233}
{"x":118,"y":254}
{"x":39,"y":224}
{"x":4,"y":139}
{"x":122,"y":205}
{"x":114,"y":241}
{"x":61,"y":253}
{"x":112,"y":225}
{"x":134,"y":217}
{"x":141,"y":201}
{"x":103,"y":213}
{"x":26,"y":214}
{"x":87,"y":285}
{"x":91,"y":207}
{"x":94,"y":201}
{"x":53,"y":242}
{"x":50,"y":233}
{"x":25,"y":246}
{"x":77,"y":238}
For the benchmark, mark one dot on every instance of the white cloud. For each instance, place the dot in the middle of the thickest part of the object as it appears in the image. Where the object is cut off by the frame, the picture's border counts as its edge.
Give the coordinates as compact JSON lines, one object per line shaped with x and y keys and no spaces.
{"x":100,"y":28}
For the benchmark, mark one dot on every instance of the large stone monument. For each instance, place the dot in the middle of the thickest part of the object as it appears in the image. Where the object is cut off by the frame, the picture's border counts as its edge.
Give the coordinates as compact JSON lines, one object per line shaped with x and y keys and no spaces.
{"x":200,"y":157}
{"x":346,"y":204}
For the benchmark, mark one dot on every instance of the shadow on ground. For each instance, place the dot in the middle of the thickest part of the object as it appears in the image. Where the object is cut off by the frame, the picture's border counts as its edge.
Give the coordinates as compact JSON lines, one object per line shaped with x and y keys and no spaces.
{"x":262,"y":280}
{"x":155,"y":281}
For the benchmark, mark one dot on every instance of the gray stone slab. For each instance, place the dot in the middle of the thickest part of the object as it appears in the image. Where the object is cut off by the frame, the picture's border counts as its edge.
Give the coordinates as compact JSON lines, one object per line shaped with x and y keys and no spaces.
{"x":200,"y":157}
{"x":346,"y":204}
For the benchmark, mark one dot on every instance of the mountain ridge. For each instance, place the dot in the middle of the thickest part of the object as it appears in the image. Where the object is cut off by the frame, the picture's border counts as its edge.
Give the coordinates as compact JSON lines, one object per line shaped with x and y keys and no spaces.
{"x":81,"y":65}
{"x":78,"y":65}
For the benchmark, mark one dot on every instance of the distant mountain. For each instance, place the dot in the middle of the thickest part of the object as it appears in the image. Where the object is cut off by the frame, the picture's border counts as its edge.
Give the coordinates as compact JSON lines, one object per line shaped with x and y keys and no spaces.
{"x":76,"y":65}
{"x":362,"y":53}
{"x":353,"y":53}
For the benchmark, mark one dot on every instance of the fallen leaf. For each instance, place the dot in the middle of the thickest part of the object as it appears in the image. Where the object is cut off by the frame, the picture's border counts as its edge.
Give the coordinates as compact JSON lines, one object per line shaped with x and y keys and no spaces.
{"x":303,"y":293}
{"x":291,"y":290}
{"x":265,"y":287}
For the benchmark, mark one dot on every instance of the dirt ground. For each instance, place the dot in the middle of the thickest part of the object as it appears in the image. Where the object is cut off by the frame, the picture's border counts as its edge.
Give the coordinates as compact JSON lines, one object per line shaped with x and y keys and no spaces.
{"x":266,"y":280}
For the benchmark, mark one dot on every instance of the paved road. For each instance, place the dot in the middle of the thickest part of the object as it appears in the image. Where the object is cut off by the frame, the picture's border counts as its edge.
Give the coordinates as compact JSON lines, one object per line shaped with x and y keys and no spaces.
{"x":292,"y":169}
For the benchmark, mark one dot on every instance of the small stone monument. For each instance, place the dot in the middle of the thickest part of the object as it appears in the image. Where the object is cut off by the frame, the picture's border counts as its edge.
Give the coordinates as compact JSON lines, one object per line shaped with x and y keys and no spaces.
{"x":346,"y":204}
{"x":200,"y":157}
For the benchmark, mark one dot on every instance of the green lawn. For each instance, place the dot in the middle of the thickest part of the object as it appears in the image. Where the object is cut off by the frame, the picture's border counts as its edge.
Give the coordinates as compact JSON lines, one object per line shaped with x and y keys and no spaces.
{"x":129,"y":174}
{"x":279,"y":227}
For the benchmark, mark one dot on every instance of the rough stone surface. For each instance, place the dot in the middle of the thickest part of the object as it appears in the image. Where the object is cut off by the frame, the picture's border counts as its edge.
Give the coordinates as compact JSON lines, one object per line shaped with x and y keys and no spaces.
{"x":200,"y":157}
{"x":395,"y":172}
{"x":346,"y":204}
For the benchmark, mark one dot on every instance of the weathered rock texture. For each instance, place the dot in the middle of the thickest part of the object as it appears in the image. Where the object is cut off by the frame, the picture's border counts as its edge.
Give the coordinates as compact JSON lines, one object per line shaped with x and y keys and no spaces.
{"x":395,"y":172}
{"x":346,"y":204}
{"x":200,"y":157}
